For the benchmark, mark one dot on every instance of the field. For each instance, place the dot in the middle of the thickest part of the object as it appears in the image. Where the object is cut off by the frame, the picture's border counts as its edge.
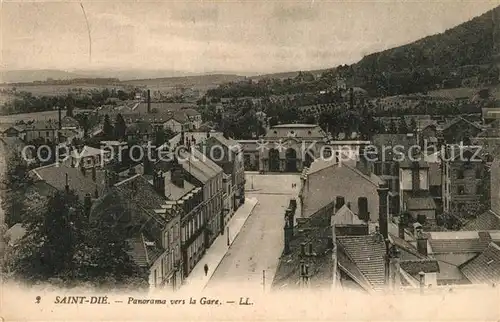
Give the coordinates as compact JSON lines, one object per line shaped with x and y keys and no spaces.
{"x":39,"y":116}
{"x":55,"y":90}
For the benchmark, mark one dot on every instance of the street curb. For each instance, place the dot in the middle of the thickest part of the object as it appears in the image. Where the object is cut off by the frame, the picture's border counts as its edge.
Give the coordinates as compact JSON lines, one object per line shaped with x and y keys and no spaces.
{"x":229,"y":247}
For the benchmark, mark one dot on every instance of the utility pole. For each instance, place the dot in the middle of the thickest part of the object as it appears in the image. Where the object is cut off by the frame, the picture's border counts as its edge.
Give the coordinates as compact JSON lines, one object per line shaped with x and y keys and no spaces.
{"x":264,"y":280}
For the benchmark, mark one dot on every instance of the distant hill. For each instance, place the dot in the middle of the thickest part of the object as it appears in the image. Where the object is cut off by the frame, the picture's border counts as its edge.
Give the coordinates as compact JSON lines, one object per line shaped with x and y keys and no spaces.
{"x":200,"y":80}
{"x":25,"y":76}
{"x":466,"y":55}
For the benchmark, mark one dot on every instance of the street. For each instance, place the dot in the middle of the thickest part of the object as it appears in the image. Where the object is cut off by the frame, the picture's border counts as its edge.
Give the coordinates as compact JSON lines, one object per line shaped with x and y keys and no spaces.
{"x":259,"y":244}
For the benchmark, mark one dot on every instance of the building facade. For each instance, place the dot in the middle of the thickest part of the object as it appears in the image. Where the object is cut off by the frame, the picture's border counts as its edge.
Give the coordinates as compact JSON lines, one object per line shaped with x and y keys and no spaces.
{"x":464,"y":171}
{"x":292,"y":147}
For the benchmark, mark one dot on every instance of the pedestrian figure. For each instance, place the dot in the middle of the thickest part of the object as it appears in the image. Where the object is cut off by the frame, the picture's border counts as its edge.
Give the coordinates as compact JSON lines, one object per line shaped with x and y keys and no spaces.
{"x":206,"y":269}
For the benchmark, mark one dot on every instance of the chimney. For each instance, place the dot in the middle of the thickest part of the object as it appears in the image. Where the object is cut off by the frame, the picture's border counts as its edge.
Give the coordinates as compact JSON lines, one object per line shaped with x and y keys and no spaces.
{"x":401,"y":227}
{"x":339,"y":202}
{"x":177,"y":176}
{"x":66,"y":187}
{"x":383,"y":192}
{"x":87,"y":204}
{"x":421,"y":242}
{"x":363,"y":209}
{"x":159,"y":183}
{"x":422,"y":282}
{"x":94,"y":174}
{"x":415,"y":176}
{"x":149,"y":101}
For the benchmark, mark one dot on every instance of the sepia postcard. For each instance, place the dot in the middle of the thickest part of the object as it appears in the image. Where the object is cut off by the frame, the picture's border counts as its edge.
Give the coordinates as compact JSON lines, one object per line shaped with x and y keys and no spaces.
{"x":250,"y":160}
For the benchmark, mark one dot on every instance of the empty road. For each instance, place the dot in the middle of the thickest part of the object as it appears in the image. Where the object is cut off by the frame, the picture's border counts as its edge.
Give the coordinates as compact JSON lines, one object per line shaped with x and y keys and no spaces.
{"x":259,"y":244}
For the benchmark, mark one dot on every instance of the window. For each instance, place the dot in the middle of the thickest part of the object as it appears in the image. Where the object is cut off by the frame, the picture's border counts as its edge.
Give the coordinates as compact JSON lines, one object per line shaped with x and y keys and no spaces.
{"x":378,"y":168}
{"x":460,"y":174}
{"x":47,"y":133}
{"x":461,"y":190}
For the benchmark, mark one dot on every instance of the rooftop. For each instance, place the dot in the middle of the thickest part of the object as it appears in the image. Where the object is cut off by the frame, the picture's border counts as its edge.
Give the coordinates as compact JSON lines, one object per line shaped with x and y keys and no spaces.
{"x":485,"y":268}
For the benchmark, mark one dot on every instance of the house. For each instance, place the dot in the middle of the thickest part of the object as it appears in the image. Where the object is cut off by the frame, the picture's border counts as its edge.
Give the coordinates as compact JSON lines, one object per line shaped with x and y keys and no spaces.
{"x":140,"y":132}
{"x":335,"y":250}
{"x":464,"y":178}
{"x":459,"y":130}
{"x":250,"y":154}
{"x":360,"y":192}
{"x":460,"y":254}
{"x":14,"y":131}
{"x":89,"y":157}
{"x":414,"y":192}
{"x":63,"y":177}
{"x":202,"y":172}
{"x":490,"y":115}
{"x":44,"y":130}
{"x":291,"y":147}
{"x":186,"y":199}
{"x":227,"y":154}
{"x":384,"y":156}
{"x":152,"y":223}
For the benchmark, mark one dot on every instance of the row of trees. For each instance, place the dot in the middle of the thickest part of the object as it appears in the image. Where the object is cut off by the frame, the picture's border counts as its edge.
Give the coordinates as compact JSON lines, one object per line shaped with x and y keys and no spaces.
{"x":26,"y":102}
{"x":62,"y":244}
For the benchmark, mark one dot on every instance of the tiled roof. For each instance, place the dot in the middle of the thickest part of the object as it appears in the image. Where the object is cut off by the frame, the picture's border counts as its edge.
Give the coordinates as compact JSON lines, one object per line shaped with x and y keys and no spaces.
{"x":348,"y":266}
{"x":368,"y":253}
{"x":488,"y":220}
{"x":141,"y":253}
{"x":440,"y":246}
{"x":424,"y":203}
{"x":457,"y":120}
{"x":408,"y":250}
{"x":414,"y":267}
{"x":81,"y":183}
{"x":174,"y":192}
{"x":485,"y":268}
{"x":320,"y":265}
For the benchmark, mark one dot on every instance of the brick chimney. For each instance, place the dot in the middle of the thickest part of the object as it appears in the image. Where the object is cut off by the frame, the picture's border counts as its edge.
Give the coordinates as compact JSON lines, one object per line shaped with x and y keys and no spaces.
{"x":421,"y":241}
{"x":401,"y":227}
{"x":159,"y":182}
{"x":149,"y":101}
{"x":383,"y":192}
{"x":415,"y":176}
{"x":339,"y":202}
{"x":363,"y":213}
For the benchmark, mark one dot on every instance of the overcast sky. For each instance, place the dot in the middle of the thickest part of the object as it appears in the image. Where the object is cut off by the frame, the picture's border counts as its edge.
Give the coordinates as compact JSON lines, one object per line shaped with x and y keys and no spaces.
{"x":202,"y":36}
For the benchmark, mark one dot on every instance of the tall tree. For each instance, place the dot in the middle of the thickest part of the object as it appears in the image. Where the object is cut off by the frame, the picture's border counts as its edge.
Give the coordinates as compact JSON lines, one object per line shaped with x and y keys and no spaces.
{"x":120,"y":127}
{"x":403,"y":127}
{"x":107,"y":128}
{"x":52,"y":236}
